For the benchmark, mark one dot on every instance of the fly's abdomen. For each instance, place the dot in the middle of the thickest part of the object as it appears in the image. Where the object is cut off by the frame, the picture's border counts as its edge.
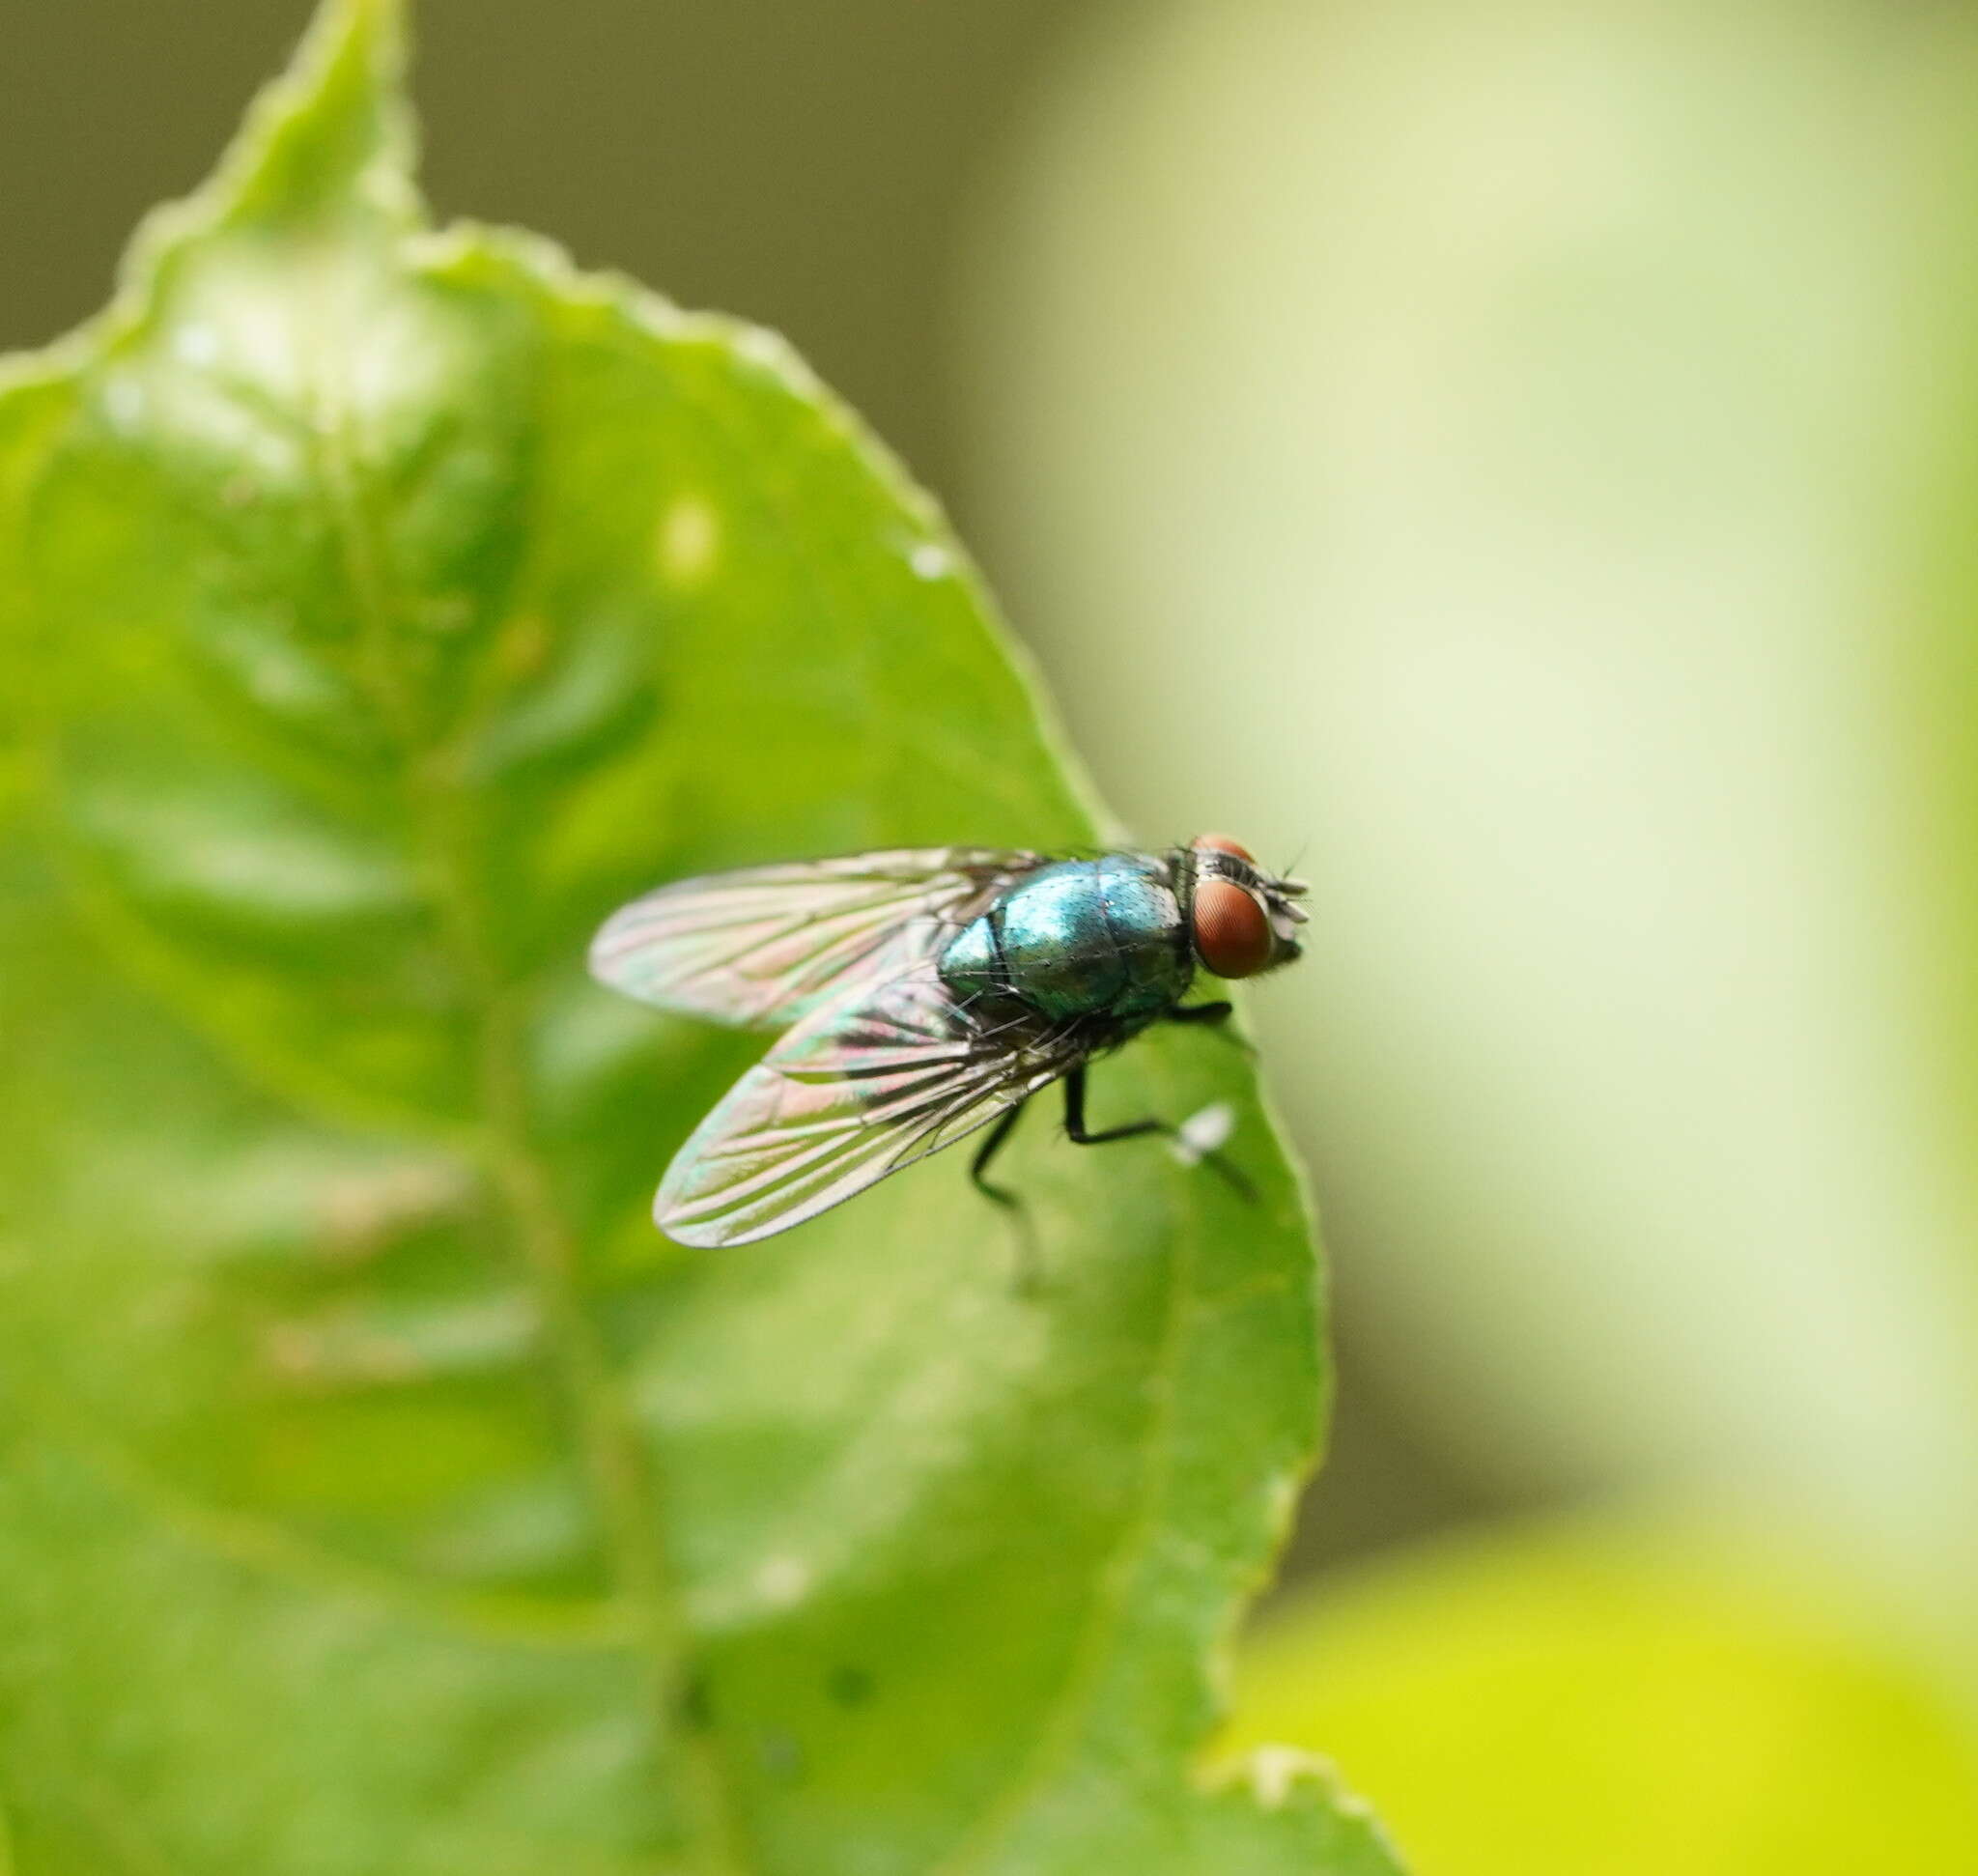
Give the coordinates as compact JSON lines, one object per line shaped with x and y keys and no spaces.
{"x":1082,"y":938}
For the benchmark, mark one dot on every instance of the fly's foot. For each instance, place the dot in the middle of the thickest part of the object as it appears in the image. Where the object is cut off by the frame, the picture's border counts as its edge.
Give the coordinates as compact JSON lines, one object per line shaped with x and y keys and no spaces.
{"x":1198,"y":1140}
{"x":1028,"y":1267}
{"x":1027,"y":1263}
{"x":1193,"y":1142}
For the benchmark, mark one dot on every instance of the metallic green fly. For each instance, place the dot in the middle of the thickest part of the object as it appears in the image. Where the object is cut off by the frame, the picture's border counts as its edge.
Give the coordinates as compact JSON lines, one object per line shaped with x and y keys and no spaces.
{"x":925,"y":994}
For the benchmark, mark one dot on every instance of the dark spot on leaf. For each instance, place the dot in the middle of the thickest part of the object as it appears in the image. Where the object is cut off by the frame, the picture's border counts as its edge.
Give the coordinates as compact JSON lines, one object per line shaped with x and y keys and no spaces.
{"x":693,"y":1703}
{"x":849,"y":1687}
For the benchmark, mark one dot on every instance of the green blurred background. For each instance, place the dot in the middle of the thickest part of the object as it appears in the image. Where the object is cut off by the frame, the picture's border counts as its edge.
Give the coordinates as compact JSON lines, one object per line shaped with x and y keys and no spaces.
{"x":1517,"y":461}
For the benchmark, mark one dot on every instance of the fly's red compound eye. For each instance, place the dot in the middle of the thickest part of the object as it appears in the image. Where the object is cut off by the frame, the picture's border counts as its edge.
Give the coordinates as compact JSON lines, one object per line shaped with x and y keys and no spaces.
{"x":1231,"y":935}
{"x":1223,"y":843}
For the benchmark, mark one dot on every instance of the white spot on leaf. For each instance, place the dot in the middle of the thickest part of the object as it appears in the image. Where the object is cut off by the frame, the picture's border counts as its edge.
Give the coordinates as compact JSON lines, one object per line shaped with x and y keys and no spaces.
{"x":782,"y":1582}
{"x":770,"y":351}
{"x":1274,"y":1769}
{"x":690,"y":541}
{"x":1204,"y":1132}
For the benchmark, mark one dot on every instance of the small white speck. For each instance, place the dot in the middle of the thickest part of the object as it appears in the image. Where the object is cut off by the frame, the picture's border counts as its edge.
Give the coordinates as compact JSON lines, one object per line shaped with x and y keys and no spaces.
{"x":1274,"y":1770}
{"x":782,"y":1582}
{"x":1202,"y":1132}
{"x":762,"y":347}
{"x":771,"y":352}
{"x":689,"y":540}
{"x":1281,"y":1495}
{"x":930,"y":560}
{"x":196,"y":344}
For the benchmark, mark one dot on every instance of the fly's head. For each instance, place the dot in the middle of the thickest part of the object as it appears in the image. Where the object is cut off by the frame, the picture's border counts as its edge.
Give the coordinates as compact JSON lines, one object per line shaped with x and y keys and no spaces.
{"x":1243,"y":920}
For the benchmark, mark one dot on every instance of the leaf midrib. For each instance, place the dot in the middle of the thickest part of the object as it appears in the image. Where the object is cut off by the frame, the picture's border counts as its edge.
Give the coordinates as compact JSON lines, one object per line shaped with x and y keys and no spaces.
{"x":625,"y":1487}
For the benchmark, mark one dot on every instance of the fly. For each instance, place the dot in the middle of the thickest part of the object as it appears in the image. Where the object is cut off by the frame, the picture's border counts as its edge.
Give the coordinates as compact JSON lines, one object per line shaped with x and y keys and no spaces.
{"x":924,"y":995}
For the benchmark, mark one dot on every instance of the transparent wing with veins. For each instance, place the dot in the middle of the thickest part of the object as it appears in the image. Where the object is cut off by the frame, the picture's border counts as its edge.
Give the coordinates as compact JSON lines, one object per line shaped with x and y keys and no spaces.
{"x":855,"y":1093}
{"x":765,"y":947}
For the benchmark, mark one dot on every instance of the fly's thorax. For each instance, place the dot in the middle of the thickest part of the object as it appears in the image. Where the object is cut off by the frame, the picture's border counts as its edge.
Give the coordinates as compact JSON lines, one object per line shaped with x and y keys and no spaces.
{"x":1143,"y":913}
{"x":1080,"y":938}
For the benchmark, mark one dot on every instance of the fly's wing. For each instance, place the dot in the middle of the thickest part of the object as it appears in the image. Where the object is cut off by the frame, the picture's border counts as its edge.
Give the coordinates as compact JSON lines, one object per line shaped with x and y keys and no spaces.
{"x":857,"y":1092}
{"x":764,"y":947}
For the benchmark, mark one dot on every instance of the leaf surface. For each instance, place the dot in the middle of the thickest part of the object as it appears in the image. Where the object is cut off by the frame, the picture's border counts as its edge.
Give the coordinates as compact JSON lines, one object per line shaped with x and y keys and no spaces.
{"x":378,"y":608}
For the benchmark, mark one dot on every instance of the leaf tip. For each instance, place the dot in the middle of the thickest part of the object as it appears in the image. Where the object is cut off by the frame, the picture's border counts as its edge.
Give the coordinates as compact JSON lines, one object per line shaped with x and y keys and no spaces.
{"x":334,"y":131}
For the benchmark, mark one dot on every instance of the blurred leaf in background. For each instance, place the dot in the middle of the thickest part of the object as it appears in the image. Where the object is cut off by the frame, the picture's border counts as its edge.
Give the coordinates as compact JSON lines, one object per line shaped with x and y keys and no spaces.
{"x":802,"y":161}
{"x":1665,"y":1693}
{"x":1532,"y":430}
{"x":378,"y":608}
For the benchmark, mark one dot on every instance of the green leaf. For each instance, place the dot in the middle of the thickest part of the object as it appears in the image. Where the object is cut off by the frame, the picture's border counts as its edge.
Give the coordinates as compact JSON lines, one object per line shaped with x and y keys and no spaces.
{"x":1665,"y":1689}
{"x":378,"y":608}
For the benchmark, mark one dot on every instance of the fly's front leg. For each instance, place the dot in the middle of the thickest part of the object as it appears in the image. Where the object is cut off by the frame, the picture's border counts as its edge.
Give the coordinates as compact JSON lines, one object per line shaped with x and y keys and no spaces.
{"x":1211,"y":1016}
{"x":1028,"y":1269}
{"x":1081,"y":1135}
{"x":1201,"y":1012}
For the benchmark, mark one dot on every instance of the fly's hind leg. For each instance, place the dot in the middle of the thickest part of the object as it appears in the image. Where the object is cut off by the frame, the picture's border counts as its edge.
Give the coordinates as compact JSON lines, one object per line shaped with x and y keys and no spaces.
{"x":992,"y":1145}
{"x":1028,"y":1268}
{"x":1081,"y":1136}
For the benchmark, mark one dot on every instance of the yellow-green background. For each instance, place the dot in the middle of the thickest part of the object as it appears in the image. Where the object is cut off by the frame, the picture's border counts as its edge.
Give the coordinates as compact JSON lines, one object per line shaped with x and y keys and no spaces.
{"x":1519,"y":456}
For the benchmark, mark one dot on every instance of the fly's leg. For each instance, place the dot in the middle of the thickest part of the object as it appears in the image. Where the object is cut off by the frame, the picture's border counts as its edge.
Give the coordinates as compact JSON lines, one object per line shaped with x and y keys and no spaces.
{"x":992,"y":1145}
{"x":1075,"y":1117}
{"x":1201,"y":1012}
{"x":1081,"y":1136}
{"x":1029,"y":1270}
{"x":1211,"y":1016}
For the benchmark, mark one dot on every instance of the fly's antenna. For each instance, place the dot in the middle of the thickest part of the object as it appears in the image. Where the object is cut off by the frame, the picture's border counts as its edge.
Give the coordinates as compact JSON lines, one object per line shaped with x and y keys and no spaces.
{"x":1290,"y":890}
